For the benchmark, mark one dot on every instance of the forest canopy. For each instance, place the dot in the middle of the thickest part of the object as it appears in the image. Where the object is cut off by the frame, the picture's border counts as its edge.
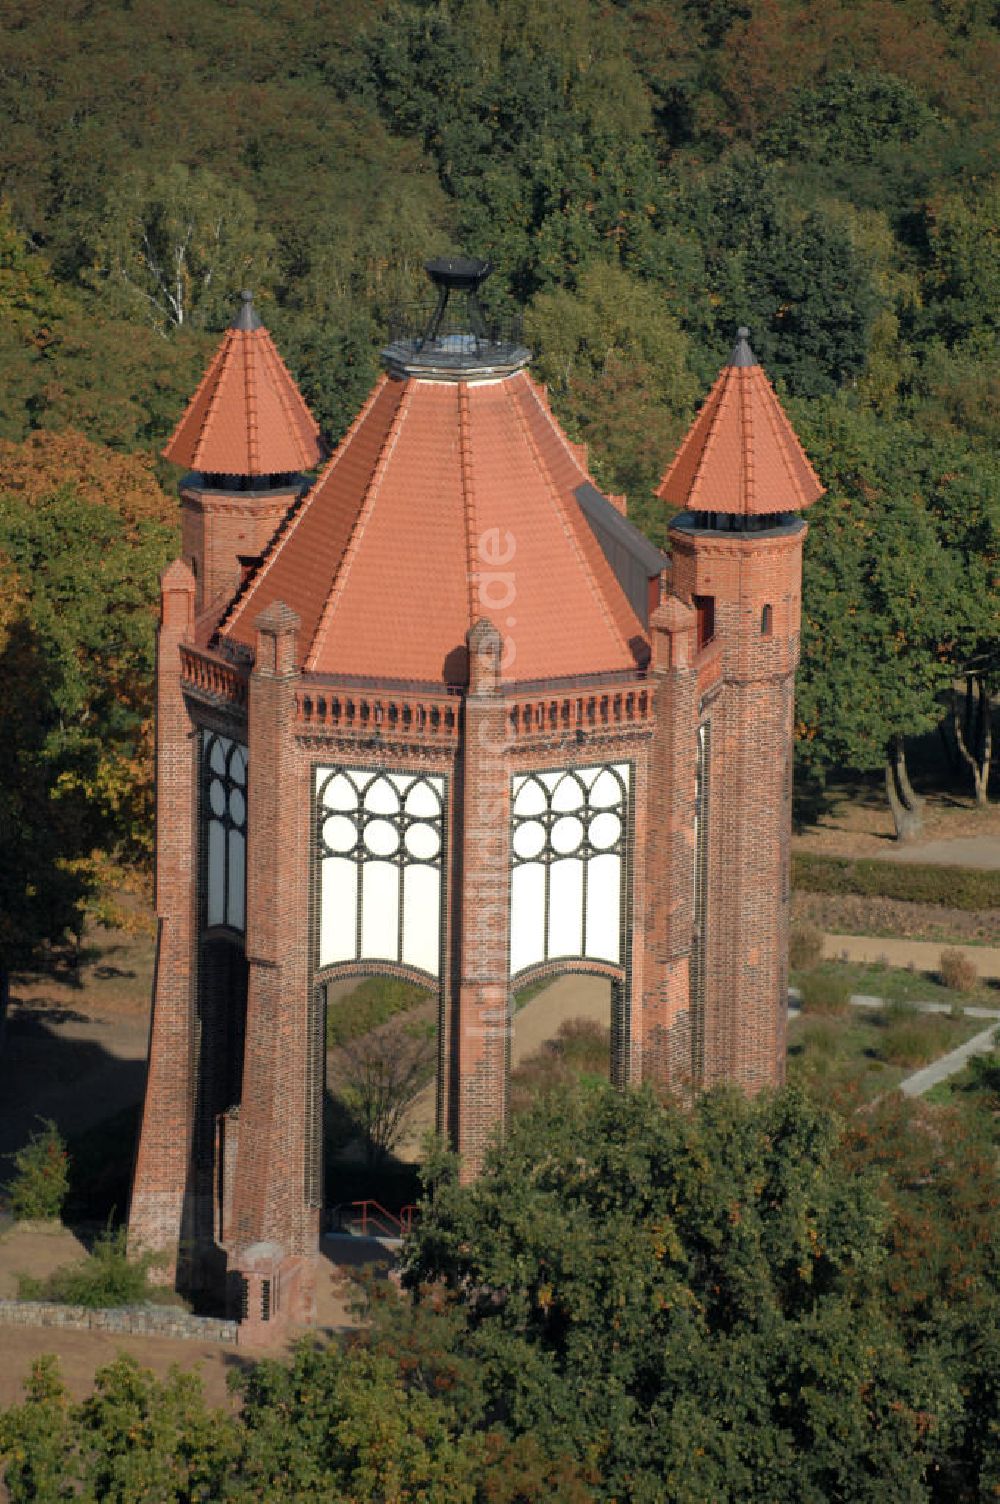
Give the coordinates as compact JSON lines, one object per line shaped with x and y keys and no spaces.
{"x":644,"y":176}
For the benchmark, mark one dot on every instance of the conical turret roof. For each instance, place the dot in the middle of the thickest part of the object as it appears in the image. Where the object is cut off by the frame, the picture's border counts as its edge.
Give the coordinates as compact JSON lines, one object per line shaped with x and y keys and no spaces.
{"x":448,"y":501}
{"x":248,"y":417}
{"x":741,"y":454}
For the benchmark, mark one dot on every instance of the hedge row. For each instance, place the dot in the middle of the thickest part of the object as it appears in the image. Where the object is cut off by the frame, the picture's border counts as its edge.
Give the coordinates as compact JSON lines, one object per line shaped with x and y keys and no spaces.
{"x":912,"y":882}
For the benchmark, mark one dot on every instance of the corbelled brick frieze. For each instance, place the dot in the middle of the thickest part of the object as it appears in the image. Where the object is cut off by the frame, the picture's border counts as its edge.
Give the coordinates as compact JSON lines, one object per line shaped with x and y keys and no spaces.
{"x":445,"y":716}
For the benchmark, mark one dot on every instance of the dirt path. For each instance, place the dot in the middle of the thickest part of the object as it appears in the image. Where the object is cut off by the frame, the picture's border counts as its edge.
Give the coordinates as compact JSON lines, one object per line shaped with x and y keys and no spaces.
{"x":923,"y":955}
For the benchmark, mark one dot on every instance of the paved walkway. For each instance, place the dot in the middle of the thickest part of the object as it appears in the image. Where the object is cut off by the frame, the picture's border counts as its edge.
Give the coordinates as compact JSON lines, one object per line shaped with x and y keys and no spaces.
{"x":925,"y":955}
{"x":946,"y":1065}
{"x":960,"y":851}
{"x":950,"y":1064}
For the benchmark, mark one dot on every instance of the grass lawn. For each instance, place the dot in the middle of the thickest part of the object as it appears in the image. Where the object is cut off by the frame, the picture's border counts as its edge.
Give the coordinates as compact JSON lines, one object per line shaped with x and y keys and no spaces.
{"x":870,"y":1051}
{"x":896,"y":984}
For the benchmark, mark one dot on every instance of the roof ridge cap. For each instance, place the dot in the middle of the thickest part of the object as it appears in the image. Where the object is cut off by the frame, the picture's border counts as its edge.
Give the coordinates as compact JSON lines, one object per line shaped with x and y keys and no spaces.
{"x":564,"y":439}
{"x":277,"y":368}
{"x":717,"y":394}
{"x":773,"y":412}
{"x":193,"y":399}
{"x":776,"y":414}
{"x":364,"y":512}
{"x":281,"y":533}
{"x":225,"y":357}
{"x":469,"y":513}
{"x":568,"y":527}
{"x":748,"y":479}
{"x":250,"y":389}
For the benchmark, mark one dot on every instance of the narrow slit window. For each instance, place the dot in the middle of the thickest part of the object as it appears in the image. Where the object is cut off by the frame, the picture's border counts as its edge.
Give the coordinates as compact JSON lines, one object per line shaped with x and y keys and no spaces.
{"x":704,"y":606}
{"x":766,"y":621}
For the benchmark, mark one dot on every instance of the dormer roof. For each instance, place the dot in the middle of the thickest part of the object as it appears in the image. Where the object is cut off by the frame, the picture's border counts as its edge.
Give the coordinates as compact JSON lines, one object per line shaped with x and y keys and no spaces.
{"x":247,"y":418}
{"x":741,"y":454}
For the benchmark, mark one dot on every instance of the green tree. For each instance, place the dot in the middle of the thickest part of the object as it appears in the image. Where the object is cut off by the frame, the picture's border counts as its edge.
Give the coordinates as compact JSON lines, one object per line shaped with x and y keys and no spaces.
{"x":689,"y":1300}
{"x":40,"y":1183}
{"x":616,"y":364}
{"x":175,"y":247}
{"x":884,"y":599}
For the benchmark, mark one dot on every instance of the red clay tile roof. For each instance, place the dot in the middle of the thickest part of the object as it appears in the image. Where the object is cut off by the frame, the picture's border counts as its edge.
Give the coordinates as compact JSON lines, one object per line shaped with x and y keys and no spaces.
{"x":247,"y":417}
{"x":446,"y":502}
{"x":741,"y":454}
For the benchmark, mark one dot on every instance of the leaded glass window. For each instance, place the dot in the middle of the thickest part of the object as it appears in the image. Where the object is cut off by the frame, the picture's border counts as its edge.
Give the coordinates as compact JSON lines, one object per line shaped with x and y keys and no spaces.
{"x":224,"y":821}
{"x":569,"y":831}
{"x":381,"y":842}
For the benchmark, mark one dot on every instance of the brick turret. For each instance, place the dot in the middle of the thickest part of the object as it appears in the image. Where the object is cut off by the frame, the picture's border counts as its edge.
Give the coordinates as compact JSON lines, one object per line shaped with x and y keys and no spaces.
{"x":246,"y":435}
{"x":741,"y":476}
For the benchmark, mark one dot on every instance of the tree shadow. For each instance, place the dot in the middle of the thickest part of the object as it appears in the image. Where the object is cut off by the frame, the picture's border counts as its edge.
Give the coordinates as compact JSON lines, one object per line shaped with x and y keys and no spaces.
{"x":94,"y":1098}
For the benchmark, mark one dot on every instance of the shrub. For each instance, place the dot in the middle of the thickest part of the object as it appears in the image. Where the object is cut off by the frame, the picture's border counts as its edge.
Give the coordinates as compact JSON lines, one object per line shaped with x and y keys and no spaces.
{"x":107,"y":1277}
{"x":805,"y":947}
{"x":825,"y":992}
{"x":968,"y":888}
{"x":914,"y":1039}
{"x":958,"y":971}
{"x":39,"y":1187}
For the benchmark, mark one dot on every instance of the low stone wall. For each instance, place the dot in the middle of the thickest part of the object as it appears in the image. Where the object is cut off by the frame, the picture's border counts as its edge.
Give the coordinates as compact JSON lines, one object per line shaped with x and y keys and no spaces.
{"x":136,"y":1321}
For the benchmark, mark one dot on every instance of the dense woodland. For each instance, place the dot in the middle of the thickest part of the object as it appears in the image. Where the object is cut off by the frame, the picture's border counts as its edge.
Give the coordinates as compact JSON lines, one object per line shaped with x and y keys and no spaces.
{"x":645,"y":176}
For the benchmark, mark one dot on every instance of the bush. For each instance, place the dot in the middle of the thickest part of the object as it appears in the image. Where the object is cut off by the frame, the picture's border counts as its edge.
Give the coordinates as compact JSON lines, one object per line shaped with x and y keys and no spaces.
{"x":825,"y":992}
{"x":965,"y":888}
{"x":958,"y":971}
{"x":805,"y":947}
{"x":913,"y":1039}
{"x":38,"y":1189}
{"x":107,"y":1277}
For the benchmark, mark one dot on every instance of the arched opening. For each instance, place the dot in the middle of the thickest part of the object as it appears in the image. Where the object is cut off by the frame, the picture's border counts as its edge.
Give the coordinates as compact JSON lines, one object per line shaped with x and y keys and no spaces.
{"x":375,"y":1070}
{"x":568,"y":1026}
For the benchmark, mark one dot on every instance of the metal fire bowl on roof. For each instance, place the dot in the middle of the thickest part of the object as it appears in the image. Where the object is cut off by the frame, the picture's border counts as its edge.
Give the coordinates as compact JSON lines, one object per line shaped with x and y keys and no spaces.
{"x":458,"y":273}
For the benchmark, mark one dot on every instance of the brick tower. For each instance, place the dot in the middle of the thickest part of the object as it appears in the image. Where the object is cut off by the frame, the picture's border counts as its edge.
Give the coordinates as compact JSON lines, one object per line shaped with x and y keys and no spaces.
{"x":741,"y":476}
{"x":452,"y":721}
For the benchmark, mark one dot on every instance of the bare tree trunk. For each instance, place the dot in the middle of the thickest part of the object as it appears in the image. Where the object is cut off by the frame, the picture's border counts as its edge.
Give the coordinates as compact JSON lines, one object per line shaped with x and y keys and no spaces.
{"x":974,"y":733}
{"x":907,"y":793}
{"x":907,"y":821}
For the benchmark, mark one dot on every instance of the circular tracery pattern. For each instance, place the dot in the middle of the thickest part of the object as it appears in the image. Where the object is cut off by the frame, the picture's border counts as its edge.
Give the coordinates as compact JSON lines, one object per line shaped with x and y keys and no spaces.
{"x":380,"y":815}
{"x":578,"y":814}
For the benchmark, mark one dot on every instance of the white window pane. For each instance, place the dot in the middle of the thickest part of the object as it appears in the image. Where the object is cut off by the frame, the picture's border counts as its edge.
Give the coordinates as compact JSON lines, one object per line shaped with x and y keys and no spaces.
{"x":566,"y":908}
{"x":422,"y":801}
{"x":604,"y":878}
{"x":422,"y":918}
{"x":216,"y":873}
{"x":217,"y":757}
{"x":527,"y":916}
{"x":338,"y":911}
{"x":381,"y":798}
{"x":340,"y":794}
{"x":380,"y":911}
{"x":568,"y":794}
{"x":236,"y":913}
{"x":529,"y":797}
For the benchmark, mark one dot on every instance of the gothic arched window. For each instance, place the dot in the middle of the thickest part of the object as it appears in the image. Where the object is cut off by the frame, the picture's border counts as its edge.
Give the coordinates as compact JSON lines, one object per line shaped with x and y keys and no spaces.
{"x":381,"y":838}
{"x":569,"y":832}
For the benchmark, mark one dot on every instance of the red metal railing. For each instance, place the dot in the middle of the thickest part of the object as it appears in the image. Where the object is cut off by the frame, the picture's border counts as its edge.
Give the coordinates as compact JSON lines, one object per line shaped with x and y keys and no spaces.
{"x":376,"y":1222}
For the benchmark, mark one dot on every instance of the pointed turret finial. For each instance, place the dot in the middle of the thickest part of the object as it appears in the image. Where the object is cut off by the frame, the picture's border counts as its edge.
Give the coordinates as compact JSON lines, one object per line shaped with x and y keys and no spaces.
{"x":742,"y":354}
{"x":247,"y":319}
